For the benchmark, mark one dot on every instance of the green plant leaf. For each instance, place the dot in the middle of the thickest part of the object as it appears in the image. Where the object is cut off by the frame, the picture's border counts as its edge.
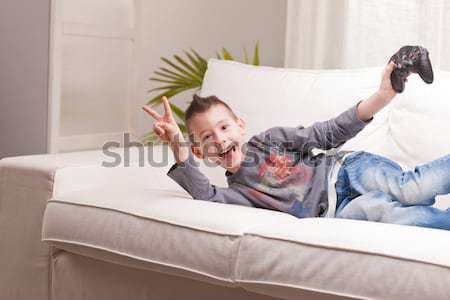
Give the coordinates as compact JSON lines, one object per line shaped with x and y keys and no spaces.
{"x":188,"y":66}
{"x":198,"y":63}
{"x":246,"y":60}
{"x":201,"y":59}
{"x":256,"y":54}
{"x":170,"y":74}
{"x":166,"y":80}
{"x":194,"y":77}
{"x":170,"y":87}
{"x":177,"y":111}
{"x":181,"y":77}
{"x":182,"y":127}
{"x":157,"y":99}
{"x":226,"y":54}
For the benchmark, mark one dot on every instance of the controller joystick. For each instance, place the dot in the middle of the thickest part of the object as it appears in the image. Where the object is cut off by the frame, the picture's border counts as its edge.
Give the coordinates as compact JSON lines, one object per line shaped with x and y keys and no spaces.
{"x":407,"y":60}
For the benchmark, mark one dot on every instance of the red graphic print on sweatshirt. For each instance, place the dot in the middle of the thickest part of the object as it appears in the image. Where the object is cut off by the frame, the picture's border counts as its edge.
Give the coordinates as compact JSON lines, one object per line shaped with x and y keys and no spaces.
{"x":280,"y":167}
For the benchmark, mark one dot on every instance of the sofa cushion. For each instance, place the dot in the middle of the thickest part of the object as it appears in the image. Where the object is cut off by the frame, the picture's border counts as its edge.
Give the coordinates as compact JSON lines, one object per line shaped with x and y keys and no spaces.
{"x":261,"y":250}
{"x":360,"y":259}
{"x":415,"y":131}
{"x":268,"y":96}
{"x":417,"y":123}
{"x":420,"y":118}
{"x":161,"y":230}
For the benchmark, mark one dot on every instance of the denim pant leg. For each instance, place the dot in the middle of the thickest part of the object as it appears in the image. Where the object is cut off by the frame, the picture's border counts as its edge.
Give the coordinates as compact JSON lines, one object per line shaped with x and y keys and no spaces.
{"x":368,"y":172}
{"x":378,"y":206}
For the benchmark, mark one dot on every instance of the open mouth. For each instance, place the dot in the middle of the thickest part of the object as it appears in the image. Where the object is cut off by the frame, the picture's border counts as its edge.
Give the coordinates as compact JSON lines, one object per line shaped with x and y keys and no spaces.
{"x":229,"y":151}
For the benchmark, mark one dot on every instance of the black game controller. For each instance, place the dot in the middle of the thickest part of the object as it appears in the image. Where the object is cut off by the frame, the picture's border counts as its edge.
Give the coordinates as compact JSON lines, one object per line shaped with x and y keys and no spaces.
{"x":410,"y":59}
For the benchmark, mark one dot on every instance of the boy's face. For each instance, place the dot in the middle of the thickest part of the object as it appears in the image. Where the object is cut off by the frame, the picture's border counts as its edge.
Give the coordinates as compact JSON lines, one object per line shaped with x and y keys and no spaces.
{"x":215,"y":131}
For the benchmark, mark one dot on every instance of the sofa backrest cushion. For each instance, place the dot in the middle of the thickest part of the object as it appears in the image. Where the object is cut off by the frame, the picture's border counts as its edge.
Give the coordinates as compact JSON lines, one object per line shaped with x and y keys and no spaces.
{"x":410,"y":130}
{"x":268,"y":96}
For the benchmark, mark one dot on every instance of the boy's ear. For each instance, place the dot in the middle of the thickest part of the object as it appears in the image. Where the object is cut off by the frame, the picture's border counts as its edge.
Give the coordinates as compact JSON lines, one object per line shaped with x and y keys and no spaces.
{"x":242,"y":124}
{"x":196,"y":152}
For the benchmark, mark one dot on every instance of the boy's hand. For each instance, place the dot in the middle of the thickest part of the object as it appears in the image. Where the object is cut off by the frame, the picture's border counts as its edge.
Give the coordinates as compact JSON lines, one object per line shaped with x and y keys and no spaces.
{"x":165,"y":126}
{"x":383,"y":96}
{"x":169,"y":131}
{"x":385,"y":91}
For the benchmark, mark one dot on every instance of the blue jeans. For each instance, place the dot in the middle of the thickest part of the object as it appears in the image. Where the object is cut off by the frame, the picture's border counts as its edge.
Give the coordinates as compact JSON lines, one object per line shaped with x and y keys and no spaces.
{"x":373,"y":188}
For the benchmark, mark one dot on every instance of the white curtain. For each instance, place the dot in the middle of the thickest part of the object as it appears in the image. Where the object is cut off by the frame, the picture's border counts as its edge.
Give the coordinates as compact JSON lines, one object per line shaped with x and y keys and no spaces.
{"x":329,"y":34}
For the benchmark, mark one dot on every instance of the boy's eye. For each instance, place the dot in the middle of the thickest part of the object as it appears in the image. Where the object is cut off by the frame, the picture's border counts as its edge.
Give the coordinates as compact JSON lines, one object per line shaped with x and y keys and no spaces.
{"x":224,"y":126}
{"x":205,"y":137}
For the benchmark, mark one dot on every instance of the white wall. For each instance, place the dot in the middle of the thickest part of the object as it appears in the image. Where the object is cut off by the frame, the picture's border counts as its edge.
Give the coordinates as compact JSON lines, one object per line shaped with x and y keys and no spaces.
{"x":165,"y":28}
{"x":24,"y":39}
{"x":104,"y":51}
{"x":168,"y":26}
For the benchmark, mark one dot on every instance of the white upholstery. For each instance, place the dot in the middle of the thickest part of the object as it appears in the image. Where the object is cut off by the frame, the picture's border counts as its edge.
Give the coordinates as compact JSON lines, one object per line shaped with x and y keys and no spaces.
{"x":26,"y":184}
{"x":365,"y":260}
{"x":159,"y":227}
{"x":268,"y":96}
{"x":139,"y":218}
{"x":232,"y":245}
{"x":411,"y":130}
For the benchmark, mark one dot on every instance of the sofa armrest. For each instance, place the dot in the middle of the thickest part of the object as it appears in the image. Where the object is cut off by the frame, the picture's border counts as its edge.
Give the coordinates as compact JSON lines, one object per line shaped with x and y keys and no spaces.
{"x":144,"y":167}
{"x":28,"y":182}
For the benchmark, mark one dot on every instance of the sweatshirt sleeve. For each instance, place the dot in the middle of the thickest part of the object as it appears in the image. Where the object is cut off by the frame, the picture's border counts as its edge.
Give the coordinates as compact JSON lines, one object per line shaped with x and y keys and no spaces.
{"x":323,"y":135}
{"x":193,"y":181}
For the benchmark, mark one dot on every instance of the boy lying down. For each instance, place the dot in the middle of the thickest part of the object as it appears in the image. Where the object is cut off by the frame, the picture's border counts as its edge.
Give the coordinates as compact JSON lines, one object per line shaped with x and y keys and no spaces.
{"x":276,"y":169}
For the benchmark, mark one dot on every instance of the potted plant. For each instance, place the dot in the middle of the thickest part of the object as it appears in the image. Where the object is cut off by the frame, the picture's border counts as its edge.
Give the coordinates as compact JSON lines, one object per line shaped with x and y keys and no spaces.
{"x":181,"y":75}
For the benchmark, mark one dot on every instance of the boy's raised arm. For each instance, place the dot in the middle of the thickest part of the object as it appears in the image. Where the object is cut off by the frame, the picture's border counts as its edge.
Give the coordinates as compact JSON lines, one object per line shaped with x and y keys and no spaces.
{"x":369,"y":107}
{"x":336,"y":131}
{"x":322,"y":135}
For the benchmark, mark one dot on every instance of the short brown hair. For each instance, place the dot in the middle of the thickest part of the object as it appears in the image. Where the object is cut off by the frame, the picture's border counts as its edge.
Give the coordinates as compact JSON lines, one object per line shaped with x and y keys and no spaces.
{"x":200,"y":105}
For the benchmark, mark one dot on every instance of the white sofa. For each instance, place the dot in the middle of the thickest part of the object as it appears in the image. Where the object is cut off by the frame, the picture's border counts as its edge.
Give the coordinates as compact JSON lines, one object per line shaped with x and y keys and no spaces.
{"x":71,"y":228}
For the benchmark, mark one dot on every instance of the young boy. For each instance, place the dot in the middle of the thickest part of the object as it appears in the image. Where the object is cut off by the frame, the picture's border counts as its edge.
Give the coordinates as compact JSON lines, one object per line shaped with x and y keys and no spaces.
{"x":277,"y":170}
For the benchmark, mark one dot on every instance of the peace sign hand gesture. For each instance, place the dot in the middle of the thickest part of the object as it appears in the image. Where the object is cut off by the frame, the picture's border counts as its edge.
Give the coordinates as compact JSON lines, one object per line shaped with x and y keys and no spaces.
{"x":169,"y":131}
{"x":165,"y":126}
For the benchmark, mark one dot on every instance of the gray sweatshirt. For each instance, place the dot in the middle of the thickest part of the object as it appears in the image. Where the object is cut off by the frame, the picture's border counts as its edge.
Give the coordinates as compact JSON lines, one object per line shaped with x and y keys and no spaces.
{"x":279,"y":170}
